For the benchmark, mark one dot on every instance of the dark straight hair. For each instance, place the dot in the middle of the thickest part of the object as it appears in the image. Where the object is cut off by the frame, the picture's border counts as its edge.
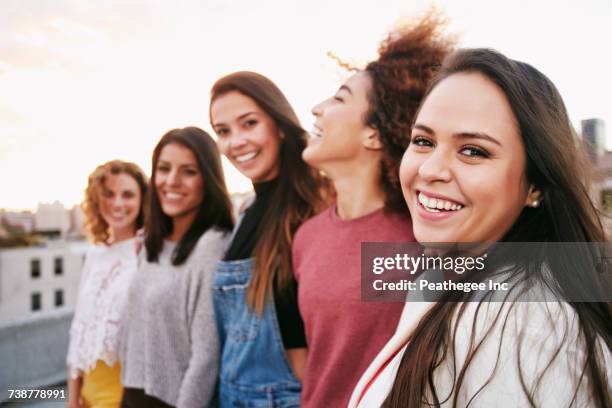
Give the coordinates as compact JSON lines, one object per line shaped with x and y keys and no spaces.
{"x":557,"y":167}
{"x":298,"y":196}
{"x":215,"y":210}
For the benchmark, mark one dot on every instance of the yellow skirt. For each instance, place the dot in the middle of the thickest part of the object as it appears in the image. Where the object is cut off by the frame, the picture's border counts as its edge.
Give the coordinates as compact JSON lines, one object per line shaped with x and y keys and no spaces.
{"x":102,"y":386}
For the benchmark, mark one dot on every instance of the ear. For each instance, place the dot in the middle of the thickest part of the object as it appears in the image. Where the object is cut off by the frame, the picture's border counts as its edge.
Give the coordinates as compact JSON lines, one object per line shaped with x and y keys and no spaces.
{"x":371,"y":140}
{"x":281,"y":134}
{"x":534,"y":197}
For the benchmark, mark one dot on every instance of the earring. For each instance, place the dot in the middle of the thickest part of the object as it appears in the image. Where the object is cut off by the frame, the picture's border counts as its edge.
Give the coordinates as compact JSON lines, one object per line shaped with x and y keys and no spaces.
{"x":535,"y":203}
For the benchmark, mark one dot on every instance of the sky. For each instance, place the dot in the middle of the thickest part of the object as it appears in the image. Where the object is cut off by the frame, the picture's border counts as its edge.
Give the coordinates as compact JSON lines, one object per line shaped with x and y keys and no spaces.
{"x":82,"y":83}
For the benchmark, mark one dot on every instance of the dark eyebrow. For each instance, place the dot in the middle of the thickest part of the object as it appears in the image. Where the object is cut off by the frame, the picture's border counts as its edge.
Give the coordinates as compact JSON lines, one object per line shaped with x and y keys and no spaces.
{"x":460,"y":135}
{"x":476,"y":135}
{"x":161,"y":161}
{"x":244,"y":115}
{"x":423,"y":128}
{"x":238,"y":118}
{"x":345,"y":88}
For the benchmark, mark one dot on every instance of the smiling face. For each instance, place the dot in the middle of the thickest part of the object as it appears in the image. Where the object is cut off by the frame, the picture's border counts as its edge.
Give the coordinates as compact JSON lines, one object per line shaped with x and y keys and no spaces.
{"x":340,"y":133}
{"x":120,"y":203}
{"x":463,"y":175}
{"x":247,"y":135}
{"x":178,"y":181}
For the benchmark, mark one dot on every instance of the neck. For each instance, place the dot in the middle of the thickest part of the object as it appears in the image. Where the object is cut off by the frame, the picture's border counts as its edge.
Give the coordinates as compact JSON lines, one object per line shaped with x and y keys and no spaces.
{"x":121,"y":234}
{"x":358,"y":190}
{"x":180,"y":225}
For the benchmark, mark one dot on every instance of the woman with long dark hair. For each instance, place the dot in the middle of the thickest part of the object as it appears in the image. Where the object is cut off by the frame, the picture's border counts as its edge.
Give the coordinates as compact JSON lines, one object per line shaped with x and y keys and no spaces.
{"x":263,"y":348}
{"x":114,"y":207}
{"x":493,"y":159}
{"x":358,"y":140}
{"x":171,"y":351}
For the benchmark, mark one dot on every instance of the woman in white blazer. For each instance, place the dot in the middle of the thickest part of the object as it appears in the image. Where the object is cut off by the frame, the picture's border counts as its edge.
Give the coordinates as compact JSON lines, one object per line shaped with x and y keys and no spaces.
{"x":493,"y":158}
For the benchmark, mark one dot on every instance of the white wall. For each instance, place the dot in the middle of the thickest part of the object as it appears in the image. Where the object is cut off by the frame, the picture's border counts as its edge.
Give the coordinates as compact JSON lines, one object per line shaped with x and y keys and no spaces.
{"x":17,"y":285}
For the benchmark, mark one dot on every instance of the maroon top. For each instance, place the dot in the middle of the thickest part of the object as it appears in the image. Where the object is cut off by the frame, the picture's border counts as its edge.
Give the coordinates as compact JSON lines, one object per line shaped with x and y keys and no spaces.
{"x":343,"y":333}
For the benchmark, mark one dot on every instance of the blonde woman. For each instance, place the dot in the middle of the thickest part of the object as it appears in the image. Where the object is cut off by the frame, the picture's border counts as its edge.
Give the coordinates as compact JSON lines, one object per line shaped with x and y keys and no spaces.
{"x":113,"y":208}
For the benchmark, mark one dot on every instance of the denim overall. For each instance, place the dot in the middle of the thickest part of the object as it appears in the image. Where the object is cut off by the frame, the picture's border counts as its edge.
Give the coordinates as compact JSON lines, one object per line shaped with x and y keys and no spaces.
{"x":254,"y":368}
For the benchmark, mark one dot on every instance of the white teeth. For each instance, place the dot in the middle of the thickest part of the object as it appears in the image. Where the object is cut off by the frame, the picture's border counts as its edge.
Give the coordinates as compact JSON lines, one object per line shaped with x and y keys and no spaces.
{"x":315,"y":133}
{"x":173,"y":196}
{"x":245,"y":157}
{"x":431,"y":209}
{"x":437,"y":204}
{"x":422,"y":199}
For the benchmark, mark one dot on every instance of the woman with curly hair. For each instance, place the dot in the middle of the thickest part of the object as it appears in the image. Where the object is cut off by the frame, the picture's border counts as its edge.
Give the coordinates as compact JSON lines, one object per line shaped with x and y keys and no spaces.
{"x":113,"y":208}
{"x":358,"y":140}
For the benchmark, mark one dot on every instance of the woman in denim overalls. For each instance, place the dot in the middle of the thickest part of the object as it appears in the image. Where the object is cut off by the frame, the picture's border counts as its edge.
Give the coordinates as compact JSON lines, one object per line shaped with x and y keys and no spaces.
{"x":263,"y":347}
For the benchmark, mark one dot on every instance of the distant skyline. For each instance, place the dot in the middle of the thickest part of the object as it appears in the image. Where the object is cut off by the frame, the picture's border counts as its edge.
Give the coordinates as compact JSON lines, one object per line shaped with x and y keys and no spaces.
{"x":83,"y":83}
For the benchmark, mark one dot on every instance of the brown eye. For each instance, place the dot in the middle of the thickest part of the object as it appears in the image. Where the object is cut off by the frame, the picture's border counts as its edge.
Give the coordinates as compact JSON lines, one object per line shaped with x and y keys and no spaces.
{"x":191,"y":172}
{"x":221,"y":132}
{"x":250,"y":123}
{"x":474,"y":151}
{"x":421,"y":141}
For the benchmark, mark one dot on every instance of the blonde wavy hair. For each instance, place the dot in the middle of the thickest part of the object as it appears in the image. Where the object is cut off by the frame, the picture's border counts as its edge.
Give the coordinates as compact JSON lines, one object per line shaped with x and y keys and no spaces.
{"x":95,"y":225}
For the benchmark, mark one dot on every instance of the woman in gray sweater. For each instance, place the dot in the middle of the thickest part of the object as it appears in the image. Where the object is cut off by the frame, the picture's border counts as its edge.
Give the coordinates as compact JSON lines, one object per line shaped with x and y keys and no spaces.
{"x":171,"y":351}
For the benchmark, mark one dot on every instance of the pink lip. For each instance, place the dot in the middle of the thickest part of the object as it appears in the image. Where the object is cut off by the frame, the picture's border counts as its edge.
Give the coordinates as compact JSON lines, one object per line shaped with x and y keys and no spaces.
{"x":433,"y":216}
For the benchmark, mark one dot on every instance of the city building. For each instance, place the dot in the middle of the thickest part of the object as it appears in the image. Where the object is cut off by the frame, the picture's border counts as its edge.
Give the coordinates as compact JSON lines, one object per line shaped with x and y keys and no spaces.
{"x":23,"y":220}
{"x":76,"y":223}
{"x":52,"y":218}
{"x":594,"y":137}
{"x":34,"y":280}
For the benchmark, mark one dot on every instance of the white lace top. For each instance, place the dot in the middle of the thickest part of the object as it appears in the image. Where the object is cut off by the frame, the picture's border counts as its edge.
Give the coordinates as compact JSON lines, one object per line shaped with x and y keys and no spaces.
{"x":99,"y":314}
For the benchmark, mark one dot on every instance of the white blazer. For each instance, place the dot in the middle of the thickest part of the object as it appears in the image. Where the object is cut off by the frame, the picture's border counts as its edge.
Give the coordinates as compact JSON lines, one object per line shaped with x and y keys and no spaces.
{"x":535,"y":328}
{"x":410,"y":318}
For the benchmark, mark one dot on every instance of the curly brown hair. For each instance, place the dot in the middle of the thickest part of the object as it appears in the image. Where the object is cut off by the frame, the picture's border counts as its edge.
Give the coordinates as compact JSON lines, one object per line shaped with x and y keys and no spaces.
{"x":95,"y":226}
{"x":407,"y":61}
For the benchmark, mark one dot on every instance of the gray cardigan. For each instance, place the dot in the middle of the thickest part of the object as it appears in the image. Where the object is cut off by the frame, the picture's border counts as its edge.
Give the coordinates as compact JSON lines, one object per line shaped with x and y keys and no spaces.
{"x":171,"y":347}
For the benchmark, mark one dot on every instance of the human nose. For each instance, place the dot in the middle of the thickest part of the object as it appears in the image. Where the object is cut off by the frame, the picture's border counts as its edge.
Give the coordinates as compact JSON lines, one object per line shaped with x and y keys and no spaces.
{"x":117,"y":201}
{"x":237,"y":141}
{"x":436,"y":167}
{"x":173,"y":177}
{"x":317,"y":110}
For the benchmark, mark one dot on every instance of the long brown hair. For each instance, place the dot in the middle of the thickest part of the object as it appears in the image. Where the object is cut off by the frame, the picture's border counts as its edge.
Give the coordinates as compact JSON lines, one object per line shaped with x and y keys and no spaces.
{"x":215,"y":210}
{"x":297,"y":197}
{"x":95,"y":225}
{"x":556,"y":168}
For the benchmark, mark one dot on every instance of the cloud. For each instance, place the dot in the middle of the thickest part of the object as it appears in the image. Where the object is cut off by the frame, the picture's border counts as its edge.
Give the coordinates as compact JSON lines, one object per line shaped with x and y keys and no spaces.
{"x":54,"y":33}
